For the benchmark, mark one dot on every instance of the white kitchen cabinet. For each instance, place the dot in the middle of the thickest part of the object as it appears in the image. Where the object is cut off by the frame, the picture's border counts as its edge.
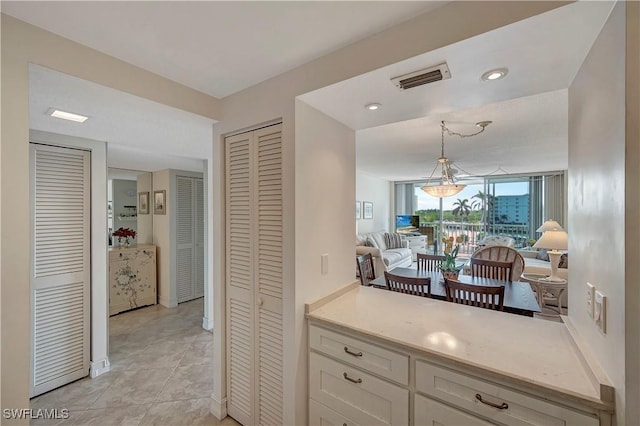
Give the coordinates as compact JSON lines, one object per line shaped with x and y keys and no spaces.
{"x":356,"y":379}
{"x":132,"y":278}
{"x":428,"y":412}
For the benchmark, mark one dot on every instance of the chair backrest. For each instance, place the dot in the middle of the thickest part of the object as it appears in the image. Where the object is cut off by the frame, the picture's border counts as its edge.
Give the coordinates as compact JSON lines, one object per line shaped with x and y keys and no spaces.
{"x":491,"y":269}
{"x":503,"y":254}
{"x":417,"y":286}
{"x":475,"y":295}
{"x":429,"y":262}
{"x":365,"y":268}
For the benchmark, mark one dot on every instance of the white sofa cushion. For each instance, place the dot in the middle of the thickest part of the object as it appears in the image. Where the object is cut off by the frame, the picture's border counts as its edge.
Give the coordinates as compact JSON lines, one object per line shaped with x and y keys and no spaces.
{"x":396,"y":255}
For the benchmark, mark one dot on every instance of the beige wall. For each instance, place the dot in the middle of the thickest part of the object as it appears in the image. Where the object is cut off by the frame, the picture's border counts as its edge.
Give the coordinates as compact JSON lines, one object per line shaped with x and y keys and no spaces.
{"x":162,"y":239}
{"x":23,"y":44}
{"x":597,"y":197}
{"x":274,"y":99}
{"x":145,"y":221}
{"x":632,"y":213}
{"x":378,"y":191}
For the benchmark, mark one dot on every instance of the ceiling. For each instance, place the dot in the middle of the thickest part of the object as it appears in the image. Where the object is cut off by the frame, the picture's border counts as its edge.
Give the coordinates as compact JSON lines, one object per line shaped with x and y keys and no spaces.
{"x":401,"y":140}
{"x":141,"y":134}
{"x":189,"y":43}
{"x":216,"y":47}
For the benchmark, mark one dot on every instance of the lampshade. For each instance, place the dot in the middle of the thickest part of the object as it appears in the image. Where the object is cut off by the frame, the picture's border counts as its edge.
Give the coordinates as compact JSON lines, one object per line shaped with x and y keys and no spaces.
{"x":554,"y":240}
{"x":550,"y":225}
{"x":441,"y":191}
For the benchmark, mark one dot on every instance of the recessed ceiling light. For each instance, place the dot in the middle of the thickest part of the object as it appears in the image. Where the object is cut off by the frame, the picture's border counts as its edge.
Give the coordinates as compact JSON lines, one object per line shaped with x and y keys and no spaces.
{"x":67,"y":115}
{"x":373,"y":106}
{"x":496,"y":74}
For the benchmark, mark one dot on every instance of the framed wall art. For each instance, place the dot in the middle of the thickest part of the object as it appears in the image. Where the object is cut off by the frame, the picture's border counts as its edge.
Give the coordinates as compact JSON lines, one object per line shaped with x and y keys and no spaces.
{"x":358,"y":210}
{"x":143,"y":203}
{"x":160,"y":202}
{"x":367,"y":207}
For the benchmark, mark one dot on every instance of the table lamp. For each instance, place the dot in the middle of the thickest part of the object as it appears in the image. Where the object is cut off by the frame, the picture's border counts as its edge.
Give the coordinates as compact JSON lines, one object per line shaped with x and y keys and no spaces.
{"x":553,"y":239}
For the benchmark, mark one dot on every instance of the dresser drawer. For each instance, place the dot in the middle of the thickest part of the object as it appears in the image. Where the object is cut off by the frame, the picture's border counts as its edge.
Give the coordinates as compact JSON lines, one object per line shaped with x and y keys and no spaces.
{"x":321,"y":415}
{"x":518,"y":409}
{"x":428,"y":412}
{"x":374,"y":359}
{"x":356,"y":395}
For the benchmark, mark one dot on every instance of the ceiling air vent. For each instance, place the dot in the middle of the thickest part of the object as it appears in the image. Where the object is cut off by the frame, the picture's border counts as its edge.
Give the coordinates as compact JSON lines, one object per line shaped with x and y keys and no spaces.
{"x":425,"y":76}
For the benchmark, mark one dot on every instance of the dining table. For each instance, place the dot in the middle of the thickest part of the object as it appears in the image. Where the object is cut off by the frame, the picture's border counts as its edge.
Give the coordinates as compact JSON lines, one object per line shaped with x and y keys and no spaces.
{"x":518,"y":296}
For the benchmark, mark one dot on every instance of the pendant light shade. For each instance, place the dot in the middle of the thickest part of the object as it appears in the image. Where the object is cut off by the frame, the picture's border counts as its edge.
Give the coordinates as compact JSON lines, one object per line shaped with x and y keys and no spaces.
{"x":443,"y":191}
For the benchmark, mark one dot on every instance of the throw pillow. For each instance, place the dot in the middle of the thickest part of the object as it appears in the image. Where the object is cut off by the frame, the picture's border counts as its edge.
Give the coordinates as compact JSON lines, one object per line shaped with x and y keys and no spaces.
{"x":393,"y":240}
{"x":371,"y":242}
{"x":542,"y":255}
{"x":564,"y":261}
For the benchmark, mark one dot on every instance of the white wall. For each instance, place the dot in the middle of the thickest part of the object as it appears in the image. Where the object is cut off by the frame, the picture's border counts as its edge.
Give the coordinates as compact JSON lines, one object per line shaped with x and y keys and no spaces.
{"x":378,"y":191}
{"x":596,"y":197}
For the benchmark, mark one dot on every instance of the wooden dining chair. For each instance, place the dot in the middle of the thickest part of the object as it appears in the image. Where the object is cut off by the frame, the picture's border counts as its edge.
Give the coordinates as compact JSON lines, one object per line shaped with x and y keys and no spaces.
{"x":503,"y":254}
{"x":417,"y":286}
{"x":491,"y":269}
{"x":365,"y":268}
{"x":488,"y":297}
{"x":429,"y":262}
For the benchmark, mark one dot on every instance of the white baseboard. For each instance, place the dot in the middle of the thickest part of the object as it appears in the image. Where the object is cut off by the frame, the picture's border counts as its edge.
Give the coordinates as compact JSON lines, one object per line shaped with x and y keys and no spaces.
{"x":218,"y":408}
{"x":167,"y":302}
{"x":99,"y":367}
{"x":207,"y":324}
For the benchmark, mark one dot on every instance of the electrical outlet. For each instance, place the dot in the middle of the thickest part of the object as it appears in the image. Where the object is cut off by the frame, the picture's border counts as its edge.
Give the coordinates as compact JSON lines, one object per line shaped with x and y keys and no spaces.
{"x":600,"y":311}
{"x":590,"y":295}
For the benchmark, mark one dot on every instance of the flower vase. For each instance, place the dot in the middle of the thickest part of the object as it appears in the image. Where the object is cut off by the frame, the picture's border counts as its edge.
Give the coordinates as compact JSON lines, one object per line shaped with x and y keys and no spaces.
{"x":127,"y":243}
{"x":450,"y":275}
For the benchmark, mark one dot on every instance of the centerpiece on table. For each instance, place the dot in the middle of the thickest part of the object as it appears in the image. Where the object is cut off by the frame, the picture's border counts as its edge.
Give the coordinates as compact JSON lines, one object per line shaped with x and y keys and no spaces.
{"x":448,"y":266}
{"x":124,"y":233}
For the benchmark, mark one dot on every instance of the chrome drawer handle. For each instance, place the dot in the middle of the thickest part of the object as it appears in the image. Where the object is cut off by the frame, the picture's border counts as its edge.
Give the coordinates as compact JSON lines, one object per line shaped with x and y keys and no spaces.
{"x":502,"y":406}
{"x":352,"y":380}
{"x":346,"y":349}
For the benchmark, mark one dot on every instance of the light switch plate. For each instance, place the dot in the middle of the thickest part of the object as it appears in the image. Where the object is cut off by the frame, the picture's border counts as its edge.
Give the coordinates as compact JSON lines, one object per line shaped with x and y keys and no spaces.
{"x":324,"y":263}
{"x":600,"y":311}
{"x":590,"y":295}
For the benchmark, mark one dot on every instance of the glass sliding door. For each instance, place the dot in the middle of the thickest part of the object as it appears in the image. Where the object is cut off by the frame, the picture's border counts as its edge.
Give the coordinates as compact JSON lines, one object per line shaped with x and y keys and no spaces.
{"x":513,"y":206}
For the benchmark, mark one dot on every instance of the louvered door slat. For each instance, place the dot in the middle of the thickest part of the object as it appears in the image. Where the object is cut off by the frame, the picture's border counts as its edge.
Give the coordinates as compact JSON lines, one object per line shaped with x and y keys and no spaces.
{"x":254,"y":275}
{"x":61,"y":266}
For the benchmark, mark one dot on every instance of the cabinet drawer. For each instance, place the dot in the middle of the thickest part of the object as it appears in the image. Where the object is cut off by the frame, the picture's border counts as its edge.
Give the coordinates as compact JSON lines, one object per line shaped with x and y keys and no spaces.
{"x":519,"y":409}
{"x":356,"y":395}
{"x":371,"y":358}
{"x":321,"y":415}
{"x":428,"y":412}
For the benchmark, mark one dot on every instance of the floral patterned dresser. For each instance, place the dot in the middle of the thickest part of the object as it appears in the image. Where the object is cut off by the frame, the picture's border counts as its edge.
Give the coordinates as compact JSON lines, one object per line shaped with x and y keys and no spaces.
{"x":132,"y":277}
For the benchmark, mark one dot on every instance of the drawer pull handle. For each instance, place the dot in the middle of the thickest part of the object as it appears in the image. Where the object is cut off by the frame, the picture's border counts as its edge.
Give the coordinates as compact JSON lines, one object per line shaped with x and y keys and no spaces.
{"x":502,"y":406}
{"x":352,"y":380}
{"x":346,"y":349}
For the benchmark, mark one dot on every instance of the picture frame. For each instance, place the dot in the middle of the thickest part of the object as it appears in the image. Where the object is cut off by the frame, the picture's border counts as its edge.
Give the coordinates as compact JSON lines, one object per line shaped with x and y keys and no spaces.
{"x":143,"y":202}
{"x":367,"y":208}
{"x":160,"y":202}
{"x":358,"y":210}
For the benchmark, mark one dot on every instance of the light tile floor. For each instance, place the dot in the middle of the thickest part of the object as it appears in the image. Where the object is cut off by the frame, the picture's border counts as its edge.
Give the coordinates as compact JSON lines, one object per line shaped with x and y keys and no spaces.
{"x":161,"y":374}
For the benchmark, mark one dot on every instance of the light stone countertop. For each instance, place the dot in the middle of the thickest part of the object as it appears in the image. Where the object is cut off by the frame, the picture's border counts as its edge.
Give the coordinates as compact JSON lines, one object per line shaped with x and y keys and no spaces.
{"x":529,"y":350}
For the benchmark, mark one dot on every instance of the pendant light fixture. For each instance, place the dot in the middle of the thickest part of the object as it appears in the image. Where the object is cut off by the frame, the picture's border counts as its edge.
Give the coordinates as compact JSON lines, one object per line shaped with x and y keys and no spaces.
{"x":446,"y":186}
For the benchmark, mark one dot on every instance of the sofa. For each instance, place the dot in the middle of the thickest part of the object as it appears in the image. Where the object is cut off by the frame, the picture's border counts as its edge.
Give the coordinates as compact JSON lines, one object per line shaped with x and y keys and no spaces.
{"x":384,"y":259}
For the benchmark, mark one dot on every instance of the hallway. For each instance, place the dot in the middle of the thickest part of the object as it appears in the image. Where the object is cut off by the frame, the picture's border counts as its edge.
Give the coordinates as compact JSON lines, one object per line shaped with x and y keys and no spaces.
{"x":161,"y":374}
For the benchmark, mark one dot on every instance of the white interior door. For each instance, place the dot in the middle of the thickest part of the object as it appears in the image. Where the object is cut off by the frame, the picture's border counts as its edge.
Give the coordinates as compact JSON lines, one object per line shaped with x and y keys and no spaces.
{"x":60,"y":266}
{"x":253,"y":163}
{"x":190,"y":237}
{"x":185,"y":237}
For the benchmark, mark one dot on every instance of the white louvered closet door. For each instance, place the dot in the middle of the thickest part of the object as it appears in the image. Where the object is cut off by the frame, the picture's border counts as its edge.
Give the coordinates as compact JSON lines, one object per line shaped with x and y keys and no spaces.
{"x":190,"y":237}
{"x":60,"y":272}
{"x":185,"y":237}
{"x":254,"y":276}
